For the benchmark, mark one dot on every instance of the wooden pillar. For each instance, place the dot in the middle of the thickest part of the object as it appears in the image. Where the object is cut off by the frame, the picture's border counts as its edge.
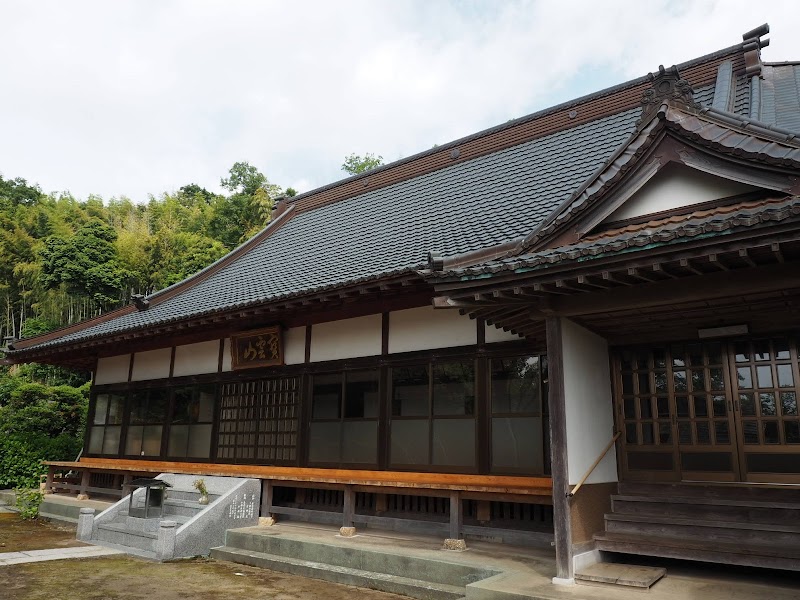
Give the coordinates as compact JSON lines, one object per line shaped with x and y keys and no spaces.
{"x":558,"y":451}
{"x":126,"y":484}
{"x":381,"y":503}
{"x":267,"y":491}
{"x":456,"y":516}
{"x":82,"y":495}
{"x":348,"y":510}
{"x":349,"y":506}
{"x":484,"y":511}
{"x":48,"y":482}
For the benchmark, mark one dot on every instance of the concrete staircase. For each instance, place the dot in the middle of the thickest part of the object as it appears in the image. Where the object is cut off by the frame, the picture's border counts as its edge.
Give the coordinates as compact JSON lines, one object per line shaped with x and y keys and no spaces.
{"x":719,"y":523}
{"x":186,"y":527}
{"x":334,"y":560}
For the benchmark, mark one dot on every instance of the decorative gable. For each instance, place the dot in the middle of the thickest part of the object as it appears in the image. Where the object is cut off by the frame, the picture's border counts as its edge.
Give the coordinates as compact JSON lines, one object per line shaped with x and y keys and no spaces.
{"x":674,"y":187}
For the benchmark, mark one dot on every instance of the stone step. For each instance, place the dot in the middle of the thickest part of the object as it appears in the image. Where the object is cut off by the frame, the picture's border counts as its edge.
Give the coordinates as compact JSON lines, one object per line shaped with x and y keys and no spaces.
{"x":774,"y":556}
{"x":717,"y":509}
{"x":620,"y":574}
{"x":700,"y":528}
{"x":116,"y":533}
{"x":137,"y":524}
{"x":367,"y":559}
{"x":146,"y":554}
{"x":395,"y":584}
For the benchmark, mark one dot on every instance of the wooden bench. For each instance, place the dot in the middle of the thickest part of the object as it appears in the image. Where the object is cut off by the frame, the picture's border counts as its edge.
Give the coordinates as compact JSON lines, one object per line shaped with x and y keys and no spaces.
{"x":456,"y":487}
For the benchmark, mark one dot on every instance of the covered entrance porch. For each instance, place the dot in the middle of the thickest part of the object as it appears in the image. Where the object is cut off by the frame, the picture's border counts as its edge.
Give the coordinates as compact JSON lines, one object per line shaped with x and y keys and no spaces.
{"x":700,"y":339}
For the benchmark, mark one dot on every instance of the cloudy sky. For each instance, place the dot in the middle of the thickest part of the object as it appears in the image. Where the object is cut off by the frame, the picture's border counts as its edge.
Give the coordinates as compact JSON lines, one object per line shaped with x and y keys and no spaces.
{"x":132,"y":98}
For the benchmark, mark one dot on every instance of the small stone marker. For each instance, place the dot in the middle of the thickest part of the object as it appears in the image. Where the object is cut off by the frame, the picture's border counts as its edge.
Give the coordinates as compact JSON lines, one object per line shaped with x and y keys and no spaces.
{"x":347,"y":531}
{"x":456,"y":545}
{"x":266,"y":521}
{"x":85,"y":524}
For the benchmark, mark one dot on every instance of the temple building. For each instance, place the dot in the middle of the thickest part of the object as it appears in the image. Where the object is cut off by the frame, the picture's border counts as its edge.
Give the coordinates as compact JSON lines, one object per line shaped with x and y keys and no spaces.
{"x":579,"y":326}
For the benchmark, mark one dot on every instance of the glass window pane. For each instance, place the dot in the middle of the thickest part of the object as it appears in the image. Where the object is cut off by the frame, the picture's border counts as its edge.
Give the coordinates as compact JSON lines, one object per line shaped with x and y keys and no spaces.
{"x":678,"y":358}
{"x":323,"y":442}
{"x":782,"y":350}
{"x":663,"y":407}
{"x":96,"y":440}
{"x":327,"y":396}
{"x":719,"y":403}
{"x":659,"y":358}
{"x":747,"y":405}
{"x":199,"y":441}
{"x":409,"y":442}
{"x":630,"y":408}
{"x":517,"y":444}
{"x":515,"y":385}
{"x":742,"y":352}
{"x":682,"y":403}
{"x":644,"y":383}
{"x":454,"y":388}
{"x":700,"y":406}
{"x":679,"y":380}
{"x":206,"y":396}
{"x":789,"y":403}
{"x":644,"y":408}
{"x":785,"y":378}
{"x":695,"y":354}
{"x":664,"y":432}
{"x":721,"y":432}
{"x":182,"y":412}
{"x":111,"y":441}
{"x":360,"y":442}
{"x":661,"y":383}
{"x":148,"y":406}
{"x":744,"y":377}
{"x":717,"y":379}
{"x":454,"y":442}
{"x":764,"y":375}
{"x":410,"y":391}
{"x":627,"y":383}
{"x":703,"y":433}
{"x":151,"y":440}
{"x":750,"y":429}
{"x":630,"y":434}
{"x":100,"y":409}
{"x":699,"y":380}
{"x":791,"y":431}
{"x":361,"y":395}
{"x":714,"y":350}
{"x":116,"y":402}
{"x":647,"y":433}
{"x":685,"y":432}
{"x":771,"y":435}
{"x":761,"y":350}
{"x":133,"y":440}
{"x":178,"y":440}
{"x":768,"y":407}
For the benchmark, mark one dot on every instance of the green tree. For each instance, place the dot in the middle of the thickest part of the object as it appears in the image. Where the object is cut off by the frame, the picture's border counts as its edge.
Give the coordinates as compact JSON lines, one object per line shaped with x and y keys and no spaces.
{"x":355,"y":164}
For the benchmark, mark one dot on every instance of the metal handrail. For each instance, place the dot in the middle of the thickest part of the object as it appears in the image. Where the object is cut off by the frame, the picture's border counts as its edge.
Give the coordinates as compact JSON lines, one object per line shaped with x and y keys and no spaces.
{"x":594,"y":466}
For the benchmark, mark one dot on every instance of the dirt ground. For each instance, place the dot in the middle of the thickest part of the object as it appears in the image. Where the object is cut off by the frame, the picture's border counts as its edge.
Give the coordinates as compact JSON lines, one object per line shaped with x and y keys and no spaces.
{"x":17,"y":535}
{"x":126,"y":578}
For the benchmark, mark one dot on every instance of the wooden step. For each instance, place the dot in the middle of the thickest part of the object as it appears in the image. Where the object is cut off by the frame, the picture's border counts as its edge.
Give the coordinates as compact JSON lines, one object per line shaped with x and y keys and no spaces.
{"x":700,"y":528}
{"x":775,"y":556}
{"x":620,"y":574}
{"x":715,"y":509}
{"x":785,"y":494}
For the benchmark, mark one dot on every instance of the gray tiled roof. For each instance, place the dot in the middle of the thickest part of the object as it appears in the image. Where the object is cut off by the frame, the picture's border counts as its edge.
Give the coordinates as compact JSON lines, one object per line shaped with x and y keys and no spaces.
{"x":780,"y":96}
{"x":465,"y":207}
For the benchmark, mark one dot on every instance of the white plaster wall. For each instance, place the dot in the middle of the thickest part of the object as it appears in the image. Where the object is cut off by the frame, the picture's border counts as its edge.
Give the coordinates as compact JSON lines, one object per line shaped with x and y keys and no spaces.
{"x":294,"y":345}
{"x":153,"y":364}
{"x":426,"y":328}
{"x":226,"y":355}
{"x":674,"y":187}
{"x":494,"y":335}
{"x":196,"y":359}
{"x":112,"y":369}
{"x":589,"y":408}
{"x":348,"y":338}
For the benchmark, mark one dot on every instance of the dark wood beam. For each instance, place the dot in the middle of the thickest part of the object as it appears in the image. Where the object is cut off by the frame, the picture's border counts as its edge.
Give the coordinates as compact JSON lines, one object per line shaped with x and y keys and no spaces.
{"x":711,"y":285}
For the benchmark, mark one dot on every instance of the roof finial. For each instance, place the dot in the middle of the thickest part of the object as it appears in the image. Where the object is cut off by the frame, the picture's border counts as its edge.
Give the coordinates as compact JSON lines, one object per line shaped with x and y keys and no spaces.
{"x":752,"y":46}
{"x":140,"y":302}
{"x":667,"y":84}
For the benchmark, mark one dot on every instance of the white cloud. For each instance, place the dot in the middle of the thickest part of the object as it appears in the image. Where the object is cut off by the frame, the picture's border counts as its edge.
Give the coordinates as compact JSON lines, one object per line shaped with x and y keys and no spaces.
{"x":143,"y":96}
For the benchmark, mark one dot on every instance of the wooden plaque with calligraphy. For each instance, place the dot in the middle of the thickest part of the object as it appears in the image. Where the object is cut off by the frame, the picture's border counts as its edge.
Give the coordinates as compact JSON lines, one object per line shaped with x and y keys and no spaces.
{"x":261,"y":348}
